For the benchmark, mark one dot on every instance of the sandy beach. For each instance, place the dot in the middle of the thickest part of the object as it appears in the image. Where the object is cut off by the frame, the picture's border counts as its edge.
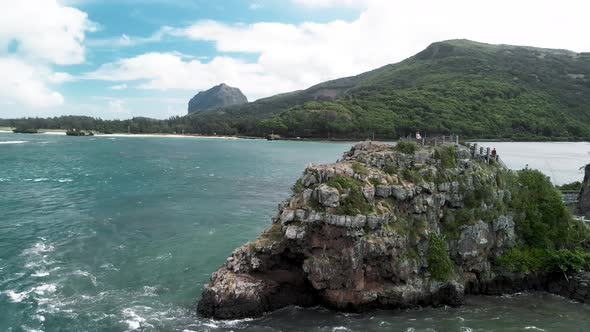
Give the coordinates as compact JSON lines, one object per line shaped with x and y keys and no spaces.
{"x":135,"y":135}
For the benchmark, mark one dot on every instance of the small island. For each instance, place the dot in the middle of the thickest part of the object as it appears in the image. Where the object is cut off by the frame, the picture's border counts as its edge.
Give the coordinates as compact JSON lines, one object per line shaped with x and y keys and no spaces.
{"x":25,"y":130}
{"x":74,"y":132}
{"x":404,"y":226}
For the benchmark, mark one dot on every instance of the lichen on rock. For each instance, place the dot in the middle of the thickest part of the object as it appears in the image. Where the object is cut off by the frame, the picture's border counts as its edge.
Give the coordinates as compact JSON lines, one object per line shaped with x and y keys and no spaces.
{"x":381,"y":228}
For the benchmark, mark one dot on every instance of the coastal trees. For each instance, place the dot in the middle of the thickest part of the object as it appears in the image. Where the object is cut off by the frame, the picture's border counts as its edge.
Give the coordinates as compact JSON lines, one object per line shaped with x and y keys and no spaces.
{"x":550,"y":238}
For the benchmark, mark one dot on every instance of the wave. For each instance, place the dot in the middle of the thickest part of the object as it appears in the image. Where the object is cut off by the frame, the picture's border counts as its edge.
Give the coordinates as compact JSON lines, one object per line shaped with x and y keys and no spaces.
{"x":87,"y":275}
{"x":16,"y":297}
{"x":44,"y":289}
{"x":134,"y":321}
{"x":40,"y":273}
{"x":38,"y":249}
{"x":12,"y":142}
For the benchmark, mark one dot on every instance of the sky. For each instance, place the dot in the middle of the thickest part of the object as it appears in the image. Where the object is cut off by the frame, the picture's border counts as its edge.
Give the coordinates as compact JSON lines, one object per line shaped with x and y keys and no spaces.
{"x":115,"y":59}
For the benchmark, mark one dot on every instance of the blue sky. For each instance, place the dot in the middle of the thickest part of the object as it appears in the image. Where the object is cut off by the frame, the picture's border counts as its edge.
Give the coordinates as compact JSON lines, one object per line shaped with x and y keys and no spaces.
{"x":118,"y":59}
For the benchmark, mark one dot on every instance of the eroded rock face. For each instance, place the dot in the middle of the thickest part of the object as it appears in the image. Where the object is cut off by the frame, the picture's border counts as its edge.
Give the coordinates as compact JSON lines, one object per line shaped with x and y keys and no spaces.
{"x":367,"y":245}
{"x":583,"y":206}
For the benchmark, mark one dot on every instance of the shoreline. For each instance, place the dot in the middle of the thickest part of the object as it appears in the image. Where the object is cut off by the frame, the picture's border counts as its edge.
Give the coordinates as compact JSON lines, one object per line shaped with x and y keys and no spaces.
{"x":312,"y":139}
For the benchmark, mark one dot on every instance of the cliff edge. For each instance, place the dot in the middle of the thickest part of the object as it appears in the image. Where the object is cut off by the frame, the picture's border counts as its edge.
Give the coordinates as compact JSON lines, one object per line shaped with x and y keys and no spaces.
{"x":397,"y":227}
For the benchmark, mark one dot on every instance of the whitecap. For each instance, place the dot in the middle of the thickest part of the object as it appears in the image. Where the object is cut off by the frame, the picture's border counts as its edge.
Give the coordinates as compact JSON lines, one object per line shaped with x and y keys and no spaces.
{"x":12,"y":142}
{"x":235,"y":322}
{"x":41,"y":180}
{"x":38,"y":249}
{"x":134,"y":321}
{"x":45,"y":289}
{"x":40,"y":273}
{"x":86,"y":274}
{"x":15,"y":296}
{"x":109,"y":266}
{"x":340,"y":328}
{"x":533,"y":328}
{"x":64,"y":180}
{"x":27,"y":329}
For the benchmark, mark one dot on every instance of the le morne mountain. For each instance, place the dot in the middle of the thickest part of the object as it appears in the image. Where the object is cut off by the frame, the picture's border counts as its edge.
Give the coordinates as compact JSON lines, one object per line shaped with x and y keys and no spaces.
{"x":472,"y":89}
{"x":218,"y":96}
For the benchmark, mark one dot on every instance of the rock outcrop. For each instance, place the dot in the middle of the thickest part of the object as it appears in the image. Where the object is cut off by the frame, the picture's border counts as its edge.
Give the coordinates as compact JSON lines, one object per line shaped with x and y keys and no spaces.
{"x":378,"y":229}
{"x":218,"y":96}
{"x":583,"y":207}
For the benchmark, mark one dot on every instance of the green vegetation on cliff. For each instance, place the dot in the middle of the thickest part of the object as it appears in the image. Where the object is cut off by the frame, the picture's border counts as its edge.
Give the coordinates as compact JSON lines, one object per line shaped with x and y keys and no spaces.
{"x":440,"y":264}
{"x":549,"y":237}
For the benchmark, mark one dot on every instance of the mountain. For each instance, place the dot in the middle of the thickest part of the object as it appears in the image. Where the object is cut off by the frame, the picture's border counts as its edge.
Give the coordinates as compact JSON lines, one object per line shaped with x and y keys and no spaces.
{"x":218,"y":96}
{"x":460,"y":86}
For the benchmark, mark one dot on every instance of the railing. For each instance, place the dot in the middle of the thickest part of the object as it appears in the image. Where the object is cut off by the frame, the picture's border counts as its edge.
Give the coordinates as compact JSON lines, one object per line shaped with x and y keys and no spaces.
{"x":570,"y":196}
{"x":486,"y":154}
{"x":433,"y":140}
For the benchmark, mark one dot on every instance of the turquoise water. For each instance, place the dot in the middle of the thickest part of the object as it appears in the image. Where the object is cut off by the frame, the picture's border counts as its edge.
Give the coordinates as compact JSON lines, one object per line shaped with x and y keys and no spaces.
{"x":120,"y":234}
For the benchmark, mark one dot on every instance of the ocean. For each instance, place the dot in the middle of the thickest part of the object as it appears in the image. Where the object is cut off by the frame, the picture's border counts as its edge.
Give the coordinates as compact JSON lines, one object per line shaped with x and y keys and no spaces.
{"x":121,"y":233}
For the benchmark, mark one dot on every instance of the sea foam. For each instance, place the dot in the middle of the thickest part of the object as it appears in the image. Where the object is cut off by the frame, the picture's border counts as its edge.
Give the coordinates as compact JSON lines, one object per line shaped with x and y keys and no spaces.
{"x":12,"y":142}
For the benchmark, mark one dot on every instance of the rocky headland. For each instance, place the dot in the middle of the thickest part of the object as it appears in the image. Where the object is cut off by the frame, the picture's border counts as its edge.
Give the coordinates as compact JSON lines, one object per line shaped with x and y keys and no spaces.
{"x":399,"y":227}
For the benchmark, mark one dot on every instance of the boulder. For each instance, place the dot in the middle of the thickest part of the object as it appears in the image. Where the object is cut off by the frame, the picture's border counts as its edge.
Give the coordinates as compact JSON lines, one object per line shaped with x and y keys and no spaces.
{"x":328,"y":196}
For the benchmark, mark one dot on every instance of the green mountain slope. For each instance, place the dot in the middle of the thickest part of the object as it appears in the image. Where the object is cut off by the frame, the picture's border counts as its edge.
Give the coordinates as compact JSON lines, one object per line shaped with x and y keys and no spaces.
{"x":459,"y":86}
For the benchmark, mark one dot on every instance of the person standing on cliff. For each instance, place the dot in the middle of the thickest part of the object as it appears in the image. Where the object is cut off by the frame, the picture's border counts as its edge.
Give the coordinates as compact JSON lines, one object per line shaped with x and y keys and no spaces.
{"x":494,"y":154}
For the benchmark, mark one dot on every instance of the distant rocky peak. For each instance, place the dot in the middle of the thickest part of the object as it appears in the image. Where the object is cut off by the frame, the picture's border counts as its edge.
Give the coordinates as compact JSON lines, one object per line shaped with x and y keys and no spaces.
{"x":221,"y":95}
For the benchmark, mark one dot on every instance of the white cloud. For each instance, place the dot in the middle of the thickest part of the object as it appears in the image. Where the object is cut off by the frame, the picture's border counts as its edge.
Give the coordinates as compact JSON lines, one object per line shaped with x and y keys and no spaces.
{"x":59,"y":77}
{"x":117,"y":106}
{"x":163,"y":71}
{"x":330,"y":3}
{"x":34,"y":34}
{"x":296,"y":56}
{"x":125,"y":40}
{"x":21,"y":84}
{"x":44,"y":29}
{"x":255,"y":6}
{"x":119,"y":87}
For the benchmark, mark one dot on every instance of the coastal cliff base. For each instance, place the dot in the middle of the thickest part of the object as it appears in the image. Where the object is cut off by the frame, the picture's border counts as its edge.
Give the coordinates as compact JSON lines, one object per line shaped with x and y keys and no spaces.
{"x":388,"y":228}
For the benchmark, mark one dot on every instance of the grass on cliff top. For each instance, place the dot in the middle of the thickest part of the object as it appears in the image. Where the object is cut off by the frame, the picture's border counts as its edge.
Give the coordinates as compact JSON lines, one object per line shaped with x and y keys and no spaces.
{"x":270,"y":235}
{"x":360,"y":168}
{"x":406,"y":147}
{"x":355,"y":203}
{"x":447,"y":156}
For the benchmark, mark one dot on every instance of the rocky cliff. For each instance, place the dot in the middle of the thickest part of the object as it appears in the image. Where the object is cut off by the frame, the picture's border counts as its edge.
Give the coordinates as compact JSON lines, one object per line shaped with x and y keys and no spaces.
{"x":583,"y":207}
{"x":218,"y":96}
{"x":382,"y":228}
